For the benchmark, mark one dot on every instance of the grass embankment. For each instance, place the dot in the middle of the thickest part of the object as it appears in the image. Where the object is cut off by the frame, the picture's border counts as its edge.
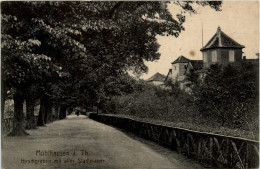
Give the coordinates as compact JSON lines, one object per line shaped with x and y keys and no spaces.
{"x":155,"y":105}
{"x":196,"y":127}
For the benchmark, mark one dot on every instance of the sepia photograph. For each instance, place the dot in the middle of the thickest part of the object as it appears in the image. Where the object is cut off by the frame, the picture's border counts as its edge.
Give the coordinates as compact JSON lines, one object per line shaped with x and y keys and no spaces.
{"x":129,"y":84}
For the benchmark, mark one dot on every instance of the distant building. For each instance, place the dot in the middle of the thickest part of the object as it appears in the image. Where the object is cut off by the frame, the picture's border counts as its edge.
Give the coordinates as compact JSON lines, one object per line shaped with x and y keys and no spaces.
{"x":221,"y":49}
{"x":180,"y":68}
{"x":157,"y":79}
{"x":253,"y":61}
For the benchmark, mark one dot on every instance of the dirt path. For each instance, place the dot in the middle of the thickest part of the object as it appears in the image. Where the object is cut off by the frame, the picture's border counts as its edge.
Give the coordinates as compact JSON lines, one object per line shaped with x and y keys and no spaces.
{"x":80,"y":143}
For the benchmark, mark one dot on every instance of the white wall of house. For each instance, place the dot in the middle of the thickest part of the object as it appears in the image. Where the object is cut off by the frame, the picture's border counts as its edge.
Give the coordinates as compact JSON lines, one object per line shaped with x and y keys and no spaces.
{"x":178,"y":71}
{"x":175,"y":71}
{"x":156,"y":83}
{"x":221,"y":56}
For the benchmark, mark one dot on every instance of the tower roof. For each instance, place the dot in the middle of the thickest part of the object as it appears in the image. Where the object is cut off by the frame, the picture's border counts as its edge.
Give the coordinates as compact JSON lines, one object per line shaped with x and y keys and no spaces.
{"x":221,"y":40}
{"x":181,"y":59}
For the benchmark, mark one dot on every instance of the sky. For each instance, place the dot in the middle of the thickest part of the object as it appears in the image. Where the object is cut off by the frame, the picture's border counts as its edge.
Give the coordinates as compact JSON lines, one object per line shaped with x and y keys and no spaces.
{"x":238,"y":19}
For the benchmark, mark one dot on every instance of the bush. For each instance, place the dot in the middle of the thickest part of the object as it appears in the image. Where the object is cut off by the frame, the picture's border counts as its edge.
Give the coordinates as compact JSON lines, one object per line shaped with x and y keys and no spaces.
{"x":226,"y":98}
{"x":153,"y":102}
{"x":230,"y":95}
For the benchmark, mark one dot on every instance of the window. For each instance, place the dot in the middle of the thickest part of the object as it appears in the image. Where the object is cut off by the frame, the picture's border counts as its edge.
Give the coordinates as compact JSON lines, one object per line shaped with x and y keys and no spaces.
{"x":214,"y":57}
{"x":174,"y":67}
{"x":205,"y":57}
{"x":231,"y":56}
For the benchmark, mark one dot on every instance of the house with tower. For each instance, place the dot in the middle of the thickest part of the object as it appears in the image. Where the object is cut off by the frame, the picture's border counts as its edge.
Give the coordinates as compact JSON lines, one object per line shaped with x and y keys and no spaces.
{"x":181,"y":67}
{"x":220,"y":49}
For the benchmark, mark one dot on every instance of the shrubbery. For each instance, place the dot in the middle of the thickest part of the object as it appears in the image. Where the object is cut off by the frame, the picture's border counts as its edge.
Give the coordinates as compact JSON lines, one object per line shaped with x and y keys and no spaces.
{"x":230,"y":95}
{"x":152,"y":102}
{"x":226,"y":97}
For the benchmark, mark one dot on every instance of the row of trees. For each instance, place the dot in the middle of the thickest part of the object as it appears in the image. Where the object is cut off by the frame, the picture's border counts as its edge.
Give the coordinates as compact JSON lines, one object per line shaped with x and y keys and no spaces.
{"x":71,"y":54}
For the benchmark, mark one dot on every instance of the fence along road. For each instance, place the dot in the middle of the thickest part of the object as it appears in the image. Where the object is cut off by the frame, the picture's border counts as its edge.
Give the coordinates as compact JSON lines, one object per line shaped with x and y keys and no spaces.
{"x":96,"y":146}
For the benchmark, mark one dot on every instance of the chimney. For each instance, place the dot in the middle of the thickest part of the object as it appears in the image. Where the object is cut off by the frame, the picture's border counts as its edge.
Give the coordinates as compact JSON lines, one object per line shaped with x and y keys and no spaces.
{"x":219,"y":29}
{"x":219,"y":36}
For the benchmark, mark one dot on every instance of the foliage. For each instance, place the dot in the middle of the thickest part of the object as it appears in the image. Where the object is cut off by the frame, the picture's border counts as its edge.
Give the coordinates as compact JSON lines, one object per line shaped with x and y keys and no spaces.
{"x":226,"y":98}
{"x":78,"y":54}
{"x":230,"y":93}
{"x":100,"y":41}
{"x":153,"y":102}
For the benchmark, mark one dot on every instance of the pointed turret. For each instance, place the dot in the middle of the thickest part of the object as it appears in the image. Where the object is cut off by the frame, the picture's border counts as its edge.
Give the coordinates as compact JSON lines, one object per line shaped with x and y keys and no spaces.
{"x":221,"y":49}
{"x":221,"y":40}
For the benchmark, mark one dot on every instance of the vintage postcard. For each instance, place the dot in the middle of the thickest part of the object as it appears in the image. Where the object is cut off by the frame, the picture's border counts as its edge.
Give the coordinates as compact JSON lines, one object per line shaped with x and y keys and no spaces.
{"x":129,"y":84}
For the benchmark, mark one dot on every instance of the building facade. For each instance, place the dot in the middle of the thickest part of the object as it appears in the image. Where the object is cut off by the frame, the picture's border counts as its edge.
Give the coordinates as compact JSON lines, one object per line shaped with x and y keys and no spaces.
{"x":180,"y":68}
{"x":221,"y":49}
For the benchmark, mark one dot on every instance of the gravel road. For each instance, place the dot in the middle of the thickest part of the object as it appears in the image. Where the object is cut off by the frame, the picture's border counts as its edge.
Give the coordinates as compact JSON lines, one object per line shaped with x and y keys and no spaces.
{"x":81,"y":143}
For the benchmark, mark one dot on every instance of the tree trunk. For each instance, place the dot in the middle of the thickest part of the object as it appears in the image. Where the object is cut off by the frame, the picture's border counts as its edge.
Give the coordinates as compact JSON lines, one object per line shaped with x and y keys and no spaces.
{"x":42,"y":112}
{"x":51,"y":119}
{"x":62,"y":114}
{"x":49,"y":113}
{"x":70,"y":110}
{"x":30,"y":118}
{"x":18,"y":124}
{"x":56,"y":115}
{"x":45,"y":114}
{"x":97,"y":108}
{"x":47,"y":105}
{"x":3,"y":98}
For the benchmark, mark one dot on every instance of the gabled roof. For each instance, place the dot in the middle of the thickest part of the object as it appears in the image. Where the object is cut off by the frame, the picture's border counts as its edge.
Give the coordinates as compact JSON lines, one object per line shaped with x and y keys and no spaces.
{"x":221,"y":40}
{"x":181,"y":59}
{"x":157,"y":77}
{"x":197,"y":64}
